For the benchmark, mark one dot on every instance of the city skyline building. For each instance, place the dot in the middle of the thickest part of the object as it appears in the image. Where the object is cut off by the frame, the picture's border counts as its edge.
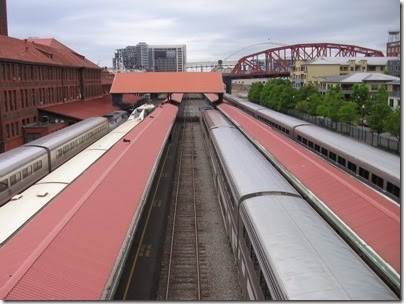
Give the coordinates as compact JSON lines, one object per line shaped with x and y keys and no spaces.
{"x":156,"y":58}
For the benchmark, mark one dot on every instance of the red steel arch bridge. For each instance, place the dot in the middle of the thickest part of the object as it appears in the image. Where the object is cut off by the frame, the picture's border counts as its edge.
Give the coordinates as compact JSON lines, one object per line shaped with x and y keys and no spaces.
{"x":277,"y":62}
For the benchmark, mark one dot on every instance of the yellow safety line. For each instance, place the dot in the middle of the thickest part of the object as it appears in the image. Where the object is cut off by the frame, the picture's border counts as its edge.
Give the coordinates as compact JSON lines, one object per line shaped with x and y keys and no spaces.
{"x":144,"y":230}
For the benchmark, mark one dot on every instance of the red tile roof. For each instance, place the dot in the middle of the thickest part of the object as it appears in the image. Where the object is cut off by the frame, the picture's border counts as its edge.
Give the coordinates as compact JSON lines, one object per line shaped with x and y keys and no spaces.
{"x":83,"y":109}
{"x":44,"y":51}
{"x":168,"y":82}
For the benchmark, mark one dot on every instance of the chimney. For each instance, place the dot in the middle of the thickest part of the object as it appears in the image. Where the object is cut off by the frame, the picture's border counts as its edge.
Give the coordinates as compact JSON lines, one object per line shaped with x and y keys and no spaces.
{"x":3,"y":18}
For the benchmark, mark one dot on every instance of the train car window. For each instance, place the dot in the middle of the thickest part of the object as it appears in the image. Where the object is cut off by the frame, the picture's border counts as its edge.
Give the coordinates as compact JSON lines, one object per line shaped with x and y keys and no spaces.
{"x":37,"y":165}
{"x":254,"y":261}
{"x":341,"y":161}
{"x":299,"y":138}
{"x":310,"y":144}
{"x":3,"y":185}
{"x":59,"y":153}
{"x":287,"y":131}
{"x":352,"y":167}
{"x":317,"y":148}
{"x":393,"y":189}
{"x":324,"y":151}
{"x":264,"y":287}
{"x":377,"y":180}
{"x":247,"y":240}
{"x":15,"y":178}
{"x":364,"y":173}
{"x":305,"y":141}
{"x":333,"y":156}
{"x":26,"y":172}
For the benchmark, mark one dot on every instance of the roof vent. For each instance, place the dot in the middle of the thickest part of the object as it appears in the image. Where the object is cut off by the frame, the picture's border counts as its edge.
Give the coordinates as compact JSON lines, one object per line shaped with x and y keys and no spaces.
{"x":42,"y":194}
{"x":16,"y":197}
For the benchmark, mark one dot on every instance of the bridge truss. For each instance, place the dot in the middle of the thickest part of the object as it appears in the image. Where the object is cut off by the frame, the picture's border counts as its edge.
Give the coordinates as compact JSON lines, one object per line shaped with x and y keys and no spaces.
{"x":277,"y":62}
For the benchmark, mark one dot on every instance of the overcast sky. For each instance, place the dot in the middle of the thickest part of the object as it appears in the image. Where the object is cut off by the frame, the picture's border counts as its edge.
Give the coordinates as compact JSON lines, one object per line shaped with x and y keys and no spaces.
{"x":211,"y":29}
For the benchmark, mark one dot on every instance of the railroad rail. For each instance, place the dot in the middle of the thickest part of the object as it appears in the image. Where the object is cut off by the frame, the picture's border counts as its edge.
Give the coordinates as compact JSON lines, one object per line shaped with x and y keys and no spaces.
{"x":184,"y":266}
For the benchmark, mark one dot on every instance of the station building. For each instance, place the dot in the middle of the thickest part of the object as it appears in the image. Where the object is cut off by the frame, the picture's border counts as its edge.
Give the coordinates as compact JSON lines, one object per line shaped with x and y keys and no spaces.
{"x":35,"y":73}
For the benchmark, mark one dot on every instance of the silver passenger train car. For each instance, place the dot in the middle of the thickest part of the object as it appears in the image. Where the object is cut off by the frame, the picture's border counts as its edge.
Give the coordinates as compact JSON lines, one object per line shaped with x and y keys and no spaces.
{"x":23,"y":166}
{"x":375,"y":167}
{"x":285,"y":250}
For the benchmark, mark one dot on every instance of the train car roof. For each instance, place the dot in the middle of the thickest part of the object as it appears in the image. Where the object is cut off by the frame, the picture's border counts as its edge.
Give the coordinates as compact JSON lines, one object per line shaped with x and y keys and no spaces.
{"x":71,"y":132}
{"x":214,"y":119}
{"x":249,"y":170}
{"x":87,"y":226}
{"x":382,"y":160}
{"x":306,"y":257}
{"x":283,"y":118}
{"x":15,"y":158}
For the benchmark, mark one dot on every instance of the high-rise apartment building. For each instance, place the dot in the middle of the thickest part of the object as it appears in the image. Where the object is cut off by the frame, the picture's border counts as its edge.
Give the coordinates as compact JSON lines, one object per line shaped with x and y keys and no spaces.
{"x":125,"y":59}
{"x":142,"y":56}
{"x":157,"y":58}
{"x":167,"y":58}
{"x":3,"y":18}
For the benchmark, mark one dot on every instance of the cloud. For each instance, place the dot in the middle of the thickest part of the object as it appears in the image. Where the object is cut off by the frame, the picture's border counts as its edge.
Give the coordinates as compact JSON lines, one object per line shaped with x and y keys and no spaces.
{"x":211,"y":29}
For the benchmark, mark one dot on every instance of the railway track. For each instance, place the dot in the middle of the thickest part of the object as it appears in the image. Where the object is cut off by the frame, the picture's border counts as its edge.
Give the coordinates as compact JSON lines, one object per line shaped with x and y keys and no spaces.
{"x":185,"y":269}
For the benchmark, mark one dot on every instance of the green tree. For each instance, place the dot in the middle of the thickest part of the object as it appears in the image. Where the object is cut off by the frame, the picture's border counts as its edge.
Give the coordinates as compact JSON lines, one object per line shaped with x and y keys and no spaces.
{"x":360,"y":95}
{"x":306,"y":92}
{"x":348,"y":113}
{"x":287,"y":98}
{"x":272,"y":91}
{"x":322,"y":110}
{"x":333,"y":100}
{"x":392,"y":123}
{"x":379,"y":110}
{"x":254,"y":94}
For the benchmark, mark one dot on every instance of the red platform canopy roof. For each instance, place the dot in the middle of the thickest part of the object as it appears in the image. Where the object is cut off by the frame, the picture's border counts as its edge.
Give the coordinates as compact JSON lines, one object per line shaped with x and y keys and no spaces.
{"x":168,"y":82}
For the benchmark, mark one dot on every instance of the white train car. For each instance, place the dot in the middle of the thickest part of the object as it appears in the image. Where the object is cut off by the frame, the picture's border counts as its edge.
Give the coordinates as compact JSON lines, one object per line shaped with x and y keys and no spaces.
{"x":26,"y":204}
{"x":285,"y":249}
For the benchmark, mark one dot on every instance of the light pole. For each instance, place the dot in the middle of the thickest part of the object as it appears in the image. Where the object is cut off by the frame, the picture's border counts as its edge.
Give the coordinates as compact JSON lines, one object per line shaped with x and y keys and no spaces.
{"x":363,"y":117}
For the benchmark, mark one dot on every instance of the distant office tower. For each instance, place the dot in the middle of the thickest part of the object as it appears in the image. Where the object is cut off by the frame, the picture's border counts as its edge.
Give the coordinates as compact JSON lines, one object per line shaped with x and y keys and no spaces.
{"x":393,"y":44}
{"x":3,"y":18}
{"x":125,"y":59}
{"x":142,"y":56}
{"x":157,"y":58}
{"x":167,"y":58}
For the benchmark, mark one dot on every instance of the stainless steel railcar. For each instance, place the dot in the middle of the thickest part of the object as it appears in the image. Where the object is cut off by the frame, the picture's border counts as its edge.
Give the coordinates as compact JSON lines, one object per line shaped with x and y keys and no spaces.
{"x":116,"y":118}
{"x":286,"y":251}
{"x":19,"y":168}
{"x":377,"y":168}
{"x":23,"y":166}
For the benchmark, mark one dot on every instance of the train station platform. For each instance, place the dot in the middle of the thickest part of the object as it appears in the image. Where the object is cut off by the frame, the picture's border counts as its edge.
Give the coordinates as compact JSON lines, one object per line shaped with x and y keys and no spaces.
{"x":74,"y":248}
